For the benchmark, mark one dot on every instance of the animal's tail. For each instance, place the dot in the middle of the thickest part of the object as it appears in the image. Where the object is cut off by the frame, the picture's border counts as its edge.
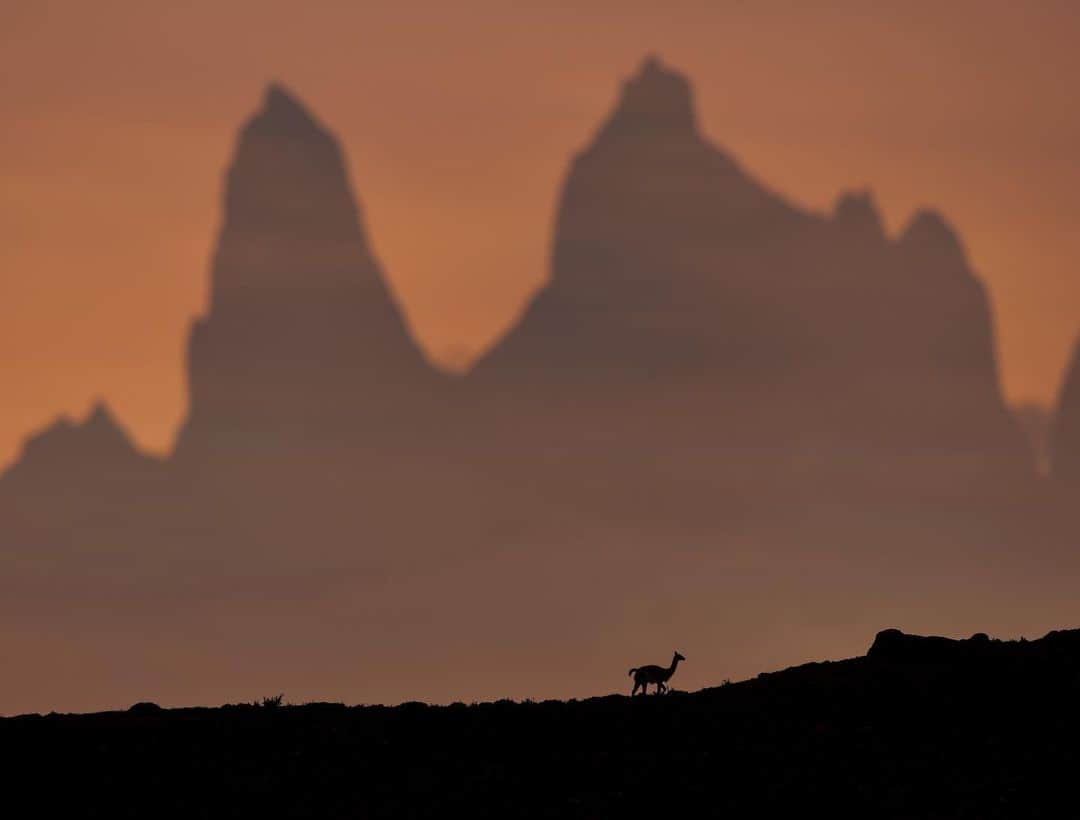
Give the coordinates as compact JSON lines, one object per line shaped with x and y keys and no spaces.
{"x":632,"y":671}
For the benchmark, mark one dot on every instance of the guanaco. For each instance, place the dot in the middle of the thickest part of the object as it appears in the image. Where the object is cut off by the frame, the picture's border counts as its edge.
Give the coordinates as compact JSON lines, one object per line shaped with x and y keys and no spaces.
{"x":644,"y":675}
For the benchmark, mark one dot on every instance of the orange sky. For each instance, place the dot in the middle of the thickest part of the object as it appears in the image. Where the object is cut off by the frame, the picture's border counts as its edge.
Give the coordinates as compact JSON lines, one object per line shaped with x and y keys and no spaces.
{"x":458,"y":119}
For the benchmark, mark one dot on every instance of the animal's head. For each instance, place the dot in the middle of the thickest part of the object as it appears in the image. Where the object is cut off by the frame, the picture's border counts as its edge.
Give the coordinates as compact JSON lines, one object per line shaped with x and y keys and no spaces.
{"x":680,"y":657}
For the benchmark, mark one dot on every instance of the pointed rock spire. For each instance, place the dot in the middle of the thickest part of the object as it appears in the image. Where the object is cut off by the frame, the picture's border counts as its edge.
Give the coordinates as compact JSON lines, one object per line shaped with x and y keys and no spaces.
{"x":302,"y":334}
{"x":288,"y":176}
{"x":100,"y":417}
{"x":929,"y":236}
{"x":857,"y":213}
{"x":284,"y":115}
{"x":655,"y":99}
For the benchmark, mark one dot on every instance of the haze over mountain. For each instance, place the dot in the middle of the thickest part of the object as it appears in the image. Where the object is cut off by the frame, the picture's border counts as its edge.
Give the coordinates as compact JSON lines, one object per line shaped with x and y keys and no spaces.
{"x":721,"y":404}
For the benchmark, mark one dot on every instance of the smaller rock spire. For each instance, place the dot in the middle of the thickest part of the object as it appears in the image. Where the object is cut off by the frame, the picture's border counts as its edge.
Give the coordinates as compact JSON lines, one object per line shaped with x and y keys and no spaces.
{"x":282,"y":112}
{"x":857,"y":213}
{"x":100,"y":415}
{"x":929,"y":234}
{"x":655,"y":99}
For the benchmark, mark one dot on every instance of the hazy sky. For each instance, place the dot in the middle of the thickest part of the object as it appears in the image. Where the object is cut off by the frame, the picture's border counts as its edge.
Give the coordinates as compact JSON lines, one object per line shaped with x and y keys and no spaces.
{"x":458,"y":119}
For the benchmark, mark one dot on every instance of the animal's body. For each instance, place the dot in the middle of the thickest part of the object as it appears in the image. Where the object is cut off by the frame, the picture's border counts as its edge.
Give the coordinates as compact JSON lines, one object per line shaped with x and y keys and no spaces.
{"x":659,"y":675}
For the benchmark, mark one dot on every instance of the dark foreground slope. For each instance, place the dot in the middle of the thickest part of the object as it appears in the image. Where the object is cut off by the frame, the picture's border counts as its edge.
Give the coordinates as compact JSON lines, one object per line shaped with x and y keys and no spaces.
{"x":919,"y":727}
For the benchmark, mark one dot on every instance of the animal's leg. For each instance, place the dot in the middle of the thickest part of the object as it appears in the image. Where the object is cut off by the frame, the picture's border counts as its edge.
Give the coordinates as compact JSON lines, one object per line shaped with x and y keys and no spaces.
{"x":634,"y":690}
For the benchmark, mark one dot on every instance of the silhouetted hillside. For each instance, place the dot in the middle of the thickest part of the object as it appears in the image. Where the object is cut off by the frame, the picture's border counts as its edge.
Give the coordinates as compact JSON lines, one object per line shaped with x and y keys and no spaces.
{"x":919,"y":727}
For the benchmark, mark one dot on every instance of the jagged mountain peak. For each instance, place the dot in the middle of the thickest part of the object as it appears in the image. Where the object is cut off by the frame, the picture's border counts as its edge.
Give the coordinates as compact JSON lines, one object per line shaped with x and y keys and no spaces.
{"x":288,"y":176}
{"x":656,"y":98}
{"x":100,"y":416}
{"x":928,"y":233}
{"x":278,"y":95}
{"x":65,"y":445}
{"x":282,"y":113}
{"x":99,"y":421}
{"x":857,"y":211}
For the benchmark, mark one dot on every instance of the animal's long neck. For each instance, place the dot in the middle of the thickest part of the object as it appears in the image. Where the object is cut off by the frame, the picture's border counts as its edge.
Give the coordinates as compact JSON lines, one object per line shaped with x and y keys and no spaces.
{"x":674,"y":663}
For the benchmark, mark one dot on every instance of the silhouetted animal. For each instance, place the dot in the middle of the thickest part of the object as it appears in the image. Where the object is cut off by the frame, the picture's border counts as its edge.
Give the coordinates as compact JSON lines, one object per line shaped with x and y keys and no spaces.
{"x":644,"y":675}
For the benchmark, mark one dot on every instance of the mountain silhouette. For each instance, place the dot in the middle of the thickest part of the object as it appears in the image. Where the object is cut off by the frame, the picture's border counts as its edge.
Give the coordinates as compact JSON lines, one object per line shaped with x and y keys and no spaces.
{"x":721,"y":408}
{"x":303,"y":344}
{"x":691,"y":307}
{"x":86,"y":453}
